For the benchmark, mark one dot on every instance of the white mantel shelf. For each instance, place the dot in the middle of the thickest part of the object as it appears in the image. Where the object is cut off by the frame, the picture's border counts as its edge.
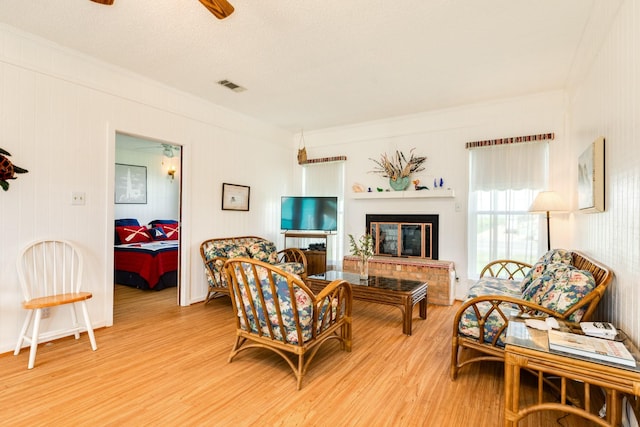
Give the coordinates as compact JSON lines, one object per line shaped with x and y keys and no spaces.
{"x":411,"y":194}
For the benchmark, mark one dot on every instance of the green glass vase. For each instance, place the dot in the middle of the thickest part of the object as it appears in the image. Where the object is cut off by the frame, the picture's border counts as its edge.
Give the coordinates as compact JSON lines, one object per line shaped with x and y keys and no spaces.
{"x":399,"y":184}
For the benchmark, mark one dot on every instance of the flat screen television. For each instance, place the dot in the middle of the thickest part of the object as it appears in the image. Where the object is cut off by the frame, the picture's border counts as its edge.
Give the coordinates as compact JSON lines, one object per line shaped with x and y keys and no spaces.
{"x":309,"y":213}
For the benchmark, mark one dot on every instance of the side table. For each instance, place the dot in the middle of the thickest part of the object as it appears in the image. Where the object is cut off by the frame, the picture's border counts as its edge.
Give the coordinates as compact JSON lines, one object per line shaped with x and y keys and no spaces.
{"x":528,"y":349}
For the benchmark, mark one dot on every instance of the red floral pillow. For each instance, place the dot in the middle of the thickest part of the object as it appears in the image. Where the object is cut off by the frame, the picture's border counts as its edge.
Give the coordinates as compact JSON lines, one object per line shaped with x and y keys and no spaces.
{"x":171,"y":230}
{"x":133,"y":234}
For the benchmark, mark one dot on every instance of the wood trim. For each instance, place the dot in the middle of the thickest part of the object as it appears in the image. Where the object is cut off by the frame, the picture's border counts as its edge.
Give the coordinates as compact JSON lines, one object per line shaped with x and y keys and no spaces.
{"x":324,"y":160}
{"x":511,"y":140}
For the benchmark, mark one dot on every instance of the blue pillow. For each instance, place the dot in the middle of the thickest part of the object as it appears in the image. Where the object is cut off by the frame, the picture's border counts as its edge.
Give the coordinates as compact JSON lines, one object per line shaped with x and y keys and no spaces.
{"x":157,"y":233}
{"x":127,"y":221}
{"x":162,"y":221}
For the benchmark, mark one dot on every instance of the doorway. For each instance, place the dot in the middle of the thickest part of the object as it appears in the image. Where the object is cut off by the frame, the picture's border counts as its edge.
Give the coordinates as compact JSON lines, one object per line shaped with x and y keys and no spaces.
{"x":147,"y":210}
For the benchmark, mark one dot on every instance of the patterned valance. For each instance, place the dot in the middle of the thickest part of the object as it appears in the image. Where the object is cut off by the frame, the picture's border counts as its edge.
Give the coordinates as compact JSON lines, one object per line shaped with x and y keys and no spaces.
{"x":511,"y":140}
{"x":324,"y":160}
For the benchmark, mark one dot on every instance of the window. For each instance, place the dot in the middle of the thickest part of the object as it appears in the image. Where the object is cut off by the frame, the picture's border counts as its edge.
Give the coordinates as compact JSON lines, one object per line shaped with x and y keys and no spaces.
{"x":503,"y":181}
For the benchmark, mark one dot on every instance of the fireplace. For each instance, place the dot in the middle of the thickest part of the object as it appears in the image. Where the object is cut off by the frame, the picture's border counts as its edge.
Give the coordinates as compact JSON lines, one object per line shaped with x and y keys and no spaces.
{"x":404,"y":235}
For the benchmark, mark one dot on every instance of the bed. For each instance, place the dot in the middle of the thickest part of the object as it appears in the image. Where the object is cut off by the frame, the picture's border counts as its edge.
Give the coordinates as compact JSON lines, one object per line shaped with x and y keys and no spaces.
{"x":146,"y":257}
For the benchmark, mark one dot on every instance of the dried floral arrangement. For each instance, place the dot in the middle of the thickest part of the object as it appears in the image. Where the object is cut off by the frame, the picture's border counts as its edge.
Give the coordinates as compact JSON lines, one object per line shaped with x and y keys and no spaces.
{"x":398,"y":166}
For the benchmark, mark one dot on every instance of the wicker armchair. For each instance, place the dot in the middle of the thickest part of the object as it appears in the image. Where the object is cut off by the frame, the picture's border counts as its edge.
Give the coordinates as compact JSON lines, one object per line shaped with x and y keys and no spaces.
{"x":275,"y":310}
{"x":503,"y":297}
{"x":214,"y":253}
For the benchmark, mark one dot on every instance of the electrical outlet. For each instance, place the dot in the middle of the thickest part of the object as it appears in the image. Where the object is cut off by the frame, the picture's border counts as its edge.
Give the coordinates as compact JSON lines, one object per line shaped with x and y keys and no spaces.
{"x":458,"y":207}
{"x":78,"y":198}
{"x":45,"y":313}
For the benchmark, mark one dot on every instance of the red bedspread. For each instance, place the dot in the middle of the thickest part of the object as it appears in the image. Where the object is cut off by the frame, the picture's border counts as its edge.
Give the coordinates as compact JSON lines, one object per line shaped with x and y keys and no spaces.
{"x":149,"y":260}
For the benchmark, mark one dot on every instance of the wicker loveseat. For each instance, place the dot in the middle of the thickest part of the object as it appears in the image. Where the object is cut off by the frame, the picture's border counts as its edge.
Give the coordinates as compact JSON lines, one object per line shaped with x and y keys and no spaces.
{"x":215,"y":252}
{"x":562,"y":284}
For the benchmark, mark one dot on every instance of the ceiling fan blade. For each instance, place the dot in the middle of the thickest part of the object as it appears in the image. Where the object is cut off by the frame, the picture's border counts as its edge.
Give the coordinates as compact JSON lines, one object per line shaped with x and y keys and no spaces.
{"x":220,"y":8}
{"x":108,"y":2}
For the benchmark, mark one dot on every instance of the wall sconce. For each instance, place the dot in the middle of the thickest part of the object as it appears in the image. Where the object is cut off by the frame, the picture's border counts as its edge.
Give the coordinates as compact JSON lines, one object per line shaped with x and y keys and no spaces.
{"x":171,"y":172}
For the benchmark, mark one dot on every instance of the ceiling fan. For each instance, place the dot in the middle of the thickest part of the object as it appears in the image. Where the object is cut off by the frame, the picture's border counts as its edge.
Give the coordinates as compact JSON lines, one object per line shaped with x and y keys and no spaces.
{"x":220,"y":8}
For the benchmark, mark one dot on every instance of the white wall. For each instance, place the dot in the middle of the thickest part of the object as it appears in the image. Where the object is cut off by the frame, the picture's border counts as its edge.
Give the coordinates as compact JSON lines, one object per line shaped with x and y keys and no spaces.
{"x":606,"y":102}
{"x":59,"y":112}
{"x":163,"y":193}
{"x":441,"y":136}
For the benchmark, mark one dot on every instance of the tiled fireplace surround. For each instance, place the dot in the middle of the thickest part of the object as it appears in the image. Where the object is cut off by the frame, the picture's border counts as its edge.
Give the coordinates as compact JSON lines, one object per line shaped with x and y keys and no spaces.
{"x":440,"y":275}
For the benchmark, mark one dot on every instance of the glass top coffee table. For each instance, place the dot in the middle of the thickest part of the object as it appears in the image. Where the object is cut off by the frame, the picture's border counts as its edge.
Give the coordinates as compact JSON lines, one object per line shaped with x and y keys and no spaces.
{"x":401,"y":293}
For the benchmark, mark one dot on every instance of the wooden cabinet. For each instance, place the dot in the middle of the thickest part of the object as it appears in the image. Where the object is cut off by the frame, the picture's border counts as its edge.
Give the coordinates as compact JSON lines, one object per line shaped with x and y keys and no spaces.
{"x":316,"y":259}
{"x":316,"y":262}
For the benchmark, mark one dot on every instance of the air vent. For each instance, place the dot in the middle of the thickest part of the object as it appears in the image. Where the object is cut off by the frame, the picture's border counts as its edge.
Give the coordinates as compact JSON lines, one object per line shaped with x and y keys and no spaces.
{"x":231,"y":85}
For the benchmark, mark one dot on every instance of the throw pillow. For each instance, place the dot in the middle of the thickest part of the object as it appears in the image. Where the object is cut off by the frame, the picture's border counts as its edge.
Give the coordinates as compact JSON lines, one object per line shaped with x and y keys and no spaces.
{"x":569,"y":287}
{"x":236,"y":251}
{"x":133,"y":234}
{"x":172,"y":231}
{"x":157,"y":233}
{"x":554,"y":256}
{"x":536,"y":290}
{"x":264,"y":251}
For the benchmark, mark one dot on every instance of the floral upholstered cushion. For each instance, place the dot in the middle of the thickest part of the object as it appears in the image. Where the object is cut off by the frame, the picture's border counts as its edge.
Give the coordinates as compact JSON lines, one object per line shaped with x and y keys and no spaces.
{"x":236,"y":251}
{"x":495,"y":286}
{"x":554,"y":256}
{"x":489,"y":286}
{"x":263,"y":250}
{"x":561,"y":289}
{"x":535,"y":290}
{"x":292,"y":267}
{"x":267,"y":315}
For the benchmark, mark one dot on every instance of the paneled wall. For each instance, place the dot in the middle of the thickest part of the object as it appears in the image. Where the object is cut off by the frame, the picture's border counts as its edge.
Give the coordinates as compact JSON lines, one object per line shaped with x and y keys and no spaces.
{"x":441,"y":136}
{"x":59,"y":113}
{"x":606,"y":102}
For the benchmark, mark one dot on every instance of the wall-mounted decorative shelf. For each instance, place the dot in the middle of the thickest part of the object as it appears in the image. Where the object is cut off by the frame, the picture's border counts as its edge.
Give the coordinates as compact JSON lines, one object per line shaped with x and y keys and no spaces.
{"x":421,"y":194}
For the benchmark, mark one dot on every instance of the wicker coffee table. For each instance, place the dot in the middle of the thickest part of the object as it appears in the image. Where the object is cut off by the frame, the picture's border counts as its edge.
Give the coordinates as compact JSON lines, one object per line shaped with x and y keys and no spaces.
{"x":401,"y":293}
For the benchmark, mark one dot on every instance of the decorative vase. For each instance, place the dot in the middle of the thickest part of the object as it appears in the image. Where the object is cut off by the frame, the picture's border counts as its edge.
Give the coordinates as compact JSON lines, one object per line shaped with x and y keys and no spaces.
{"x":363,"y":267}
{"x":399,"y":184}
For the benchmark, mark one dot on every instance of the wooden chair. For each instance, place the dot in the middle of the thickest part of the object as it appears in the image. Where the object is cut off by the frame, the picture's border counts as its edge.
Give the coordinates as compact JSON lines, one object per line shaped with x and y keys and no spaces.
{"x":50,"y":274}
{"x":275,"y":310}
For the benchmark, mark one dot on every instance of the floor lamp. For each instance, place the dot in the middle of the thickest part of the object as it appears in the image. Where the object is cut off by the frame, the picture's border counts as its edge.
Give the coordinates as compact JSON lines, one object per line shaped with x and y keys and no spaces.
{"x":545,"y":202}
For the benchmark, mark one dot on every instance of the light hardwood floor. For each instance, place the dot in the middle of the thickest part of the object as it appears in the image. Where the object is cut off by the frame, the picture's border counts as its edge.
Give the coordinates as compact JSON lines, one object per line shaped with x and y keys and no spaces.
{"x":166,"y":365}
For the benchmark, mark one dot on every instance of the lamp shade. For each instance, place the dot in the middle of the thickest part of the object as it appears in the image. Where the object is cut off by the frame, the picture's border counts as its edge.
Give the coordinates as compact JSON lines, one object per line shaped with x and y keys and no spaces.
{"x":548,"y":201}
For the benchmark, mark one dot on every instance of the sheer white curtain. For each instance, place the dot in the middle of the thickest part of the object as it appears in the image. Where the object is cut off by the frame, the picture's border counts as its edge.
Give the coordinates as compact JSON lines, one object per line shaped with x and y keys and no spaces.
{"x":327,"y":179}
{"x":503,"y":181}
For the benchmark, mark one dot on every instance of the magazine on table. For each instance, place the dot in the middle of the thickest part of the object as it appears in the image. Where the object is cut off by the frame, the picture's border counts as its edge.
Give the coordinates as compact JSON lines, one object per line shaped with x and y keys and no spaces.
{"x":595,"y":348}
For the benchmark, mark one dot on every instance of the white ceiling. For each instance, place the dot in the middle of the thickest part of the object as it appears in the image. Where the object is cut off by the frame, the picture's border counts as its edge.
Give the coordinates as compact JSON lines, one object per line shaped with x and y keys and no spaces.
{"x":310,"y":64}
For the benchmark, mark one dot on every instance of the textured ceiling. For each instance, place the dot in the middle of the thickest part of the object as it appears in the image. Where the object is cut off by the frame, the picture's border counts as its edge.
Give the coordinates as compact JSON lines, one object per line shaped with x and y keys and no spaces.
{"x":310,"y":64}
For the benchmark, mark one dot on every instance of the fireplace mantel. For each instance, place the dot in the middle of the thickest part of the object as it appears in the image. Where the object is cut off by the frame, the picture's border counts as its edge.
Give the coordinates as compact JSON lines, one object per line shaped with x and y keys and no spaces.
{"x":412,"y":194}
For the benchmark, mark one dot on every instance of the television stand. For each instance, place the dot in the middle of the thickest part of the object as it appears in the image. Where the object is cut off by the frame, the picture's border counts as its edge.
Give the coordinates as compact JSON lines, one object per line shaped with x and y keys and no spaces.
{"x":316,"y":259}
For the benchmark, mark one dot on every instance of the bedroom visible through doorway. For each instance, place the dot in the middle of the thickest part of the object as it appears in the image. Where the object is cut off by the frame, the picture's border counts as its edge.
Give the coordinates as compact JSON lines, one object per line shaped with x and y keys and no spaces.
{"x":147,"y":213}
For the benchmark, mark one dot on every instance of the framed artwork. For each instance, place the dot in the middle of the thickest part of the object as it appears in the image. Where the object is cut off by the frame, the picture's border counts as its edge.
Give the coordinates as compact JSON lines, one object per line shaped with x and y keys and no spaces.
{"x":235,"y":197}
{"x":130,"y":184}
{"x":591,"y":178}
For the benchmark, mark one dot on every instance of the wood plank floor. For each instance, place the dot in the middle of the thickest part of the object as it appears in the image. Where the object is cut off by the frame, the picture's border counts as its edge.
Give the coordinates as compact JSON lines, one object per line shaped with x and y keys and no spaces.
{"x":161,"y":364}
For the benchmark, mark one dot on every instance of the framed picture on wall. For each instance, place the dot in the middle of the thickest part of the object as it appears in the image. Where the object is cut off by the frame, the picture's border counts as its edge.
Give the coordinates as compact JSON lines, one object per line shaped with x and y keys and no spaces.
{"x":235,"y":197}
{"x":130,"y":184}
{"x":591,"y":178}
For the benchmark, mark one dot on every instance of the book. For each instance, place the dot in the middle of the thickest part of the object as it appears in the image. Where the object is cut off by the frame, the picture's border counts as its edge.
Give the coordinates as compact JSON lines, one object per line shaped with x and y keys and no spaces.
{"x":599,"y":329}
{"x":592,"y":347}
